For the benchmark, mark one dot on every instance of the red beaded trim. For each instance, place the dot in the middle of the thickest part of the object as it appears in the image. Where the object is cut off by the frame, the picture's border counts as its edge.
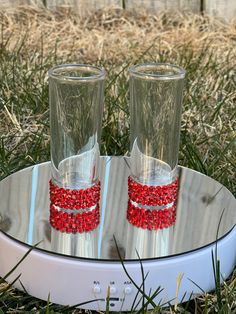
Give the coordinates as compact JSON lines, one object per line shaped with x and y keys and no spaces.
{"x":151,"y":219}
{"x":74,"y":199}
{"x":74,"y":223}
{"x":152,"y":195}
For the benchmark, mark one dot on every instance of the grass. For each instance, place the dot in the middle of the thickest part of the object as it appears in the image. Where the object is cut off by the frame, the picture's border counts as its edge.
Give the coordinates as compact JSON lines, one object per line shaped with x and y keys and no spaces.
{"x":32,"y":41}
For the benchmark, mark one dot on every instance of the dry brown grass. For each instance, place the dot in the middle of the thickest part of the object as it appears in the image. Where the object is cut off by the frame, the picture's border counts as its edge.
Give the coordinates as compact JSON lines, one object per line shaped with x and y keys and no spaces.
{"x":113,"y":34}
{"x":115,"y":37}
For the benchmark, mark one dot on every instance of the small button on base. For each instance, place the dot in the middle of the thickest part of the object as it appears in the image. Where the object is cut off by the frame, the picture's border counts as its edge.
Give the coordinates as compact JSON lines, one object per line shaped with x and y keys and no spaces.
{"x":128,"y":290}
{"x":113,"y":290}
{"x":96,"y":289}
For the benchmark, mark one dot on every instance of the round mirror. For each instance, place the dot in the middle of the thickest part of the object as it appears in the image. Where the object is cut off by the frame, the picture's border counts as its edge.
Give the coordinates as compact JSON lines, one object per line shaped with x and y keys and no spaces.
{"x":206,"y":210}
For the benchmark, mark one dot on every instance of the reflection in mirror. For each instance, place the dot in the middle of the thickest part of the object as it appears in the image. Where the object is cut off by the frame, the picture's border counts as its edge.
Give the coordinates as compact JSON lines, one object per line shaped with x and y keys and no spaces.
{"x":24,"y":215}
{"x":79,"y":244}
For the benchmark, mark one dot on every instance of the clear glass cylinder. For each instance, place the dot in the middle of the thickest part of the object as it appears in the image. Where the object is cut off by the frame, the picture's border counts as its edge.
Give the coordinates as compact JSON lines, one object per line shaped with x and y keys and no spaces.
{"x":155,"y":115}
{"x":155,"y":112}
{"x":76,"y":107}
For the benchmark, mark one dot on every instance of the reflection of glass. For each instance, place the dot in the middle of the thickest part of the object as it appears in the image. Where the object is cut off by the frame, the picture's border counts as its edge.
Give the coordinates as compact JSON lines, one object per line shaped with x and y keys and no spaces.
{"x":81,"y":245}
{"x":76,"y":106}
{"x":155,"y":112}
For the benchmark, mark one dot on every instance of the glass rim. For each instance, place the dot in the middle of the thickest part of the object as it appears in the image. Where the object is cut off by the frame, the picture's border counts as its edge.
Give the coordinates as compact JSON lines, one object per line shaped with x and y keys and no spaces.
{"x":136,"y":70}
{"x":52,"y":73}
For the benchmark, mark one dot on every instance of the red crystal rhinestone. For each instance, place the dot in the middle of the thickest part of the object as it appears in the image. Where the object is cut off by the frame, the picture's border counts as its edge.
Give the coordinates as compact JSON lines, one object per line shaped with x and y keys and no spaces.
{"x":74,"y":199}
{"x":152,"y":195}
{"x":67,"y":199}
{"x":74,"y":223}
{"x":151,"y":220}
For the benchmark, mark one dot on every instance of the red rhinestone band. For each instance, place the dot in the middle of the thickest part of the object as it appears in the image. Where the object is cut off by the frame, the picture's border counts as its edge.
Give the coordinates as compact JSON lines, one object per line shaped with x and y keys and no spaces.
{"x":74,"y":199}
{"x":74,"y":223}
{"x":66,"y":199}
{"x":151,"y":219}
{"x":152,"y":195}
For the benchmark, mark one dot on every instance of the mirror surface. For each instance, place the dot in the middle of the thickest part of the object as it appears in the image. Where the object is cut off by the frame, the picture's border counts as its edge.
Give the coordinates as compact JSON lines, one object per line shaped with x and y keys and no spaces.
{"x":205,"y":210}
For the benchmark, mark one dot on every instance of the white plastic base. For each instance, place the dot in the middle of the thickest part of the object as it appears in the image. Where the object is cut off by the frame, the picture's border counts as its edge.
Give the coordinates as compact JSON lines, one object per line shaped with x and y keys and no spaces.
{"x":71,"y":281}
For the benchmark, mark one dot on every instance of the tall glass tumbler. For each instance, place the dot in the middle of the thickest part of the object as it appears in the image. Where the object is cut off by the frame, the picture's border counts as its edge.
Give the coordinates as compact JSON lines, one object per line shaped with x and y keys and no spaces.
{"x":76,"y":107}
{"x":155,"y":111}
